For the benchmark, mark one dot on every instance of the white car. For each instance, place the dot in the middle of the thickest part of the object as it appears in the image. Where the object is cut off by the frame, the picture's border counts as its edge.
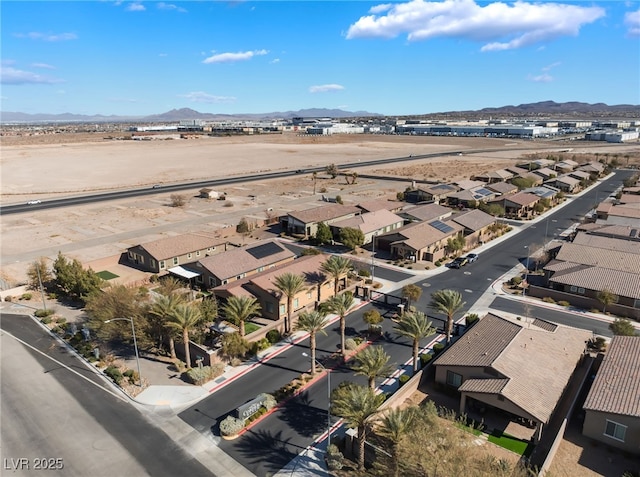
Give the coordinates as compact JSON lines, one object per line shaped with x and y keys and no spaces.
{"x":472,"y":257}
{"x":34,"y":202}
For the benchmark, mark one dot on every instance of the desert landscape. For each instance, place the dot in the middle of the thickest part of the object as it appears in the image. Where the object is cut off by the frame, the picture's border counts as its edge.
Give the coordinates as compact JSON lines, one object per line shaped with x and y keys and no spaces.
{"x":53,"y":166}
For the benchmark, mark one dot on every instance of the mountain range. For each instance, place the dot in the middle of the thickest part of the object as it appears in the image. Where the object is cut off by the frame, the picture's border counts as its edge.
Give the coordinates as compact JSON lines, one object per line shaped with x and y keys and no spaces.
{"x":549,"y":109}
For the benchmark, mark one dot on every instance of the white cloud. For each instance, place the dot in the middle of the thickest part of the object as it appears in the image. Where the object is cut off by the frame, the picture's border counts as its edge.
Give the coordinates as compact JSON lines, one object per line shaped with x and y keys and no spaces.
{"x":169,"y":6}
{"x":34,"y":35}
{"x":43,"y":66}
{"x":325,"y":88}
{"x":233,"y":57}
{"x":10,"y":75}
{"x":543,"y":78}
{"x":551,"y":66}
{"x":135,"y":7}
{"x":275,"y":60}
{"x":503,"y":26}
{"x":632,"y":20}
{"x":202,"y":97}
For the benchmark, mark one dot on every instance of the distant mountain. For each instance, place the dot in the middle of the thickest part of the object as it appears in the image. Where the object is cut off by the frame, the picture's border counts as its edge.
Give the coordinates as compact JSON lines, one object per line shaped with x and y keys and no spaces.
{"x":176,"y":115}
{"x":549,"y":109}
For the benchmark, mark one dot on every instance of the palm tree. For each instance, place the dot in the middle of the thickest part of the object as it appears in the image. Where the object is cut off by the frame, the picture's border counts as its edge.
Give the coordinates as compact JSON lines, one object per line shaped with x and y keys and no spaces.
{"x":183,"y":319}
{"x":312,"y":322}
{"x":336,"y":266}
{"x":162,"y":308}
{"x":394,"y":426}
{"x":340,"y":304}
{"x":373,"y":363}
{"x":290,"y":285}
{"x":314,"y":176}
{"x":412,"y":293}
{"x":239,"y":309}
{"x":416,"y":327}
{"x":448,"y":302}
{"x":358,"y":406}
{"x":607,"y":297}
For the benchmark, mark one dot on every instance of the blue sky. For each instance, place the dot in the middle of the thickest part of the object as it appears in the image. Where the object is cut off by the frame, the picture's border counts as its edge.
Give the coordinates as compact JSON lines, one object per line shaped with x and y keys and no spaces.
{"x":394,"y":58}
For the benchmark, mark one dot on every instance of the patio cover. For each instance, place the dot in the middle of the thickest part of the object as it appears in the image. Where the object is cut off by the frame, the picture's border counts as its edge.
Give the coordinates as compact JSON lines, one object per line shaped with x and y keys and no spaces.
{"x":184,"y":272}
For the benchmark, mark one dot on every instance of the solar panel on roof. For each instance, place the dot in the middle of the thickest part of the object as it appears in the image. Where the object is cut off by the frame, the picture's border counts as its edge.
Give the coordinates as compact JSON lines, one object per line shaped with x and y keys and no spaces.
{"x":441,"y":226}
{"x":264,"y":250}
{"x":483,"y":192}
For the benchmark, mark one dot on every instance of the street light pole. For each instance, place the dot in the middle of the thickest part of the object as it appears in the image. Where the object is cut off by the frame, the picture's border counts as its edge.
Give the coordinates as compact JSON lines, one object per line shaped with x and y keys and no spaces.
{"x":526,"y":271}
{"x":318,"y":363}
{"x":135,"y":344}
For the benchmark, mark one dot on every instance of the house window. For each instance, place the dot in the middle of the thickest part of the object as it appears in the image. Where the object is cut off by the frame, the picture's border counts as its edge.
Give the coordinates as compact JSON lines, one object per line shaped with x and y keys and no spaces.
{"x":500,"y":397}
{"x":269,"y":307}
{"x":224,"y":282}
{"x":176,"y":261}
{"x":260,"y":269}
{"x":581,"y":290}
{"x":309,"y":295}
{"x":573,"y":289}
{"x":162,"y":265}
{"x":189,"y":255}
{"x":296,"y":303}
{"x":212,"y":281}
{"x":240,"y":277}
{"x":636,"y":303}
{"x":454,"y":379}
{"x":153,"y":263}
{"x":197,"y":253}
{"x":615,"y":431}
{"x":282,"y":309}
{"x":199,"y":279}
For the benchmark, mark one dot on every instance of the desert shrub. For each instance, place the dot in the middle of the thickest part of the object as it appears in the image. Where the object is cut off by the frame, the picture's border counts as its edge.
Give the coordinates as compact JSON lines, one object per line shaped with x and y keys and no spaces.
{"x":114,"y":373}
{"x":228,"y":204}
{"x":41,"y":313}
{"x":377,"y":285}
{"x":548,"y":299}
{"x":403,"y":379}
{"x":153,"y":278}
{"x":269,"y":401}
{"x":131,"y":375}
{"x":230,"y":426}
{"x":311,"y":251}
{"x":62,"y":321}
{"x":594,"y":310}
{"x":8,"y":298}
{"x":335,"y":458}
{"x":364,"y":273}
{"x":437,"y":348}
{"x":235,"y":362}
{"x":564,"y":303}
{"x":471,"y":318}
{"x":273,"y":336}
{"x":26,"y":296}
{"x":516,"y":281}
{"x":424,"y":359}
{"x":350,"y":344}
{"x":46,"y":320}
{"x":199,"y":376}
{"x":52,"y":296}
{"x":438,"y":263}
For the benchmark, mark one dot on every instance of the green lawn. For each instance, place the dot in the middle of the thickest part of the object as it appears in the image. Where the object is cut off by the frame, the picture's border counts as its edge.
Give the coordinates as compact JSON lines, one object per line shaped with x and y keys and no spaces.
{"x":508,"y":442}
{"x":250,"y":327}
{"x":107,"y":275}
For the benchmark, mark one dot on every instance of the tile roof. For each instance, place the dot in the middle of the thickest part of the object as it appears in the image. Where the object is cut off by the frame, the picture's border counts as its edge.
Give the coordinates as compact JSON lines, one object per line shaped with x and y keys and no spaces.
{"x":439,"y":189}
{"x":580,"y":175}
{"x":502,"y":187}
{"x":616,"y":388}
{"x":473,"y":219}
{"x":567,"y":179}
{"x":599,"y":257}
{"x":610,"y":243}
{"x":545,"y":172}
{"x":520,"y":198}
{"x":629,"y":199}
{"x":467,"y":184}
{"x":236,"y":262}
{"x":537,"y":363}
{"x":489,"y":386}
{"x":621,"y":231}
{"x":370,"y":221}
{"x":324,"y":213}
{"x":428,"y":212}
{"x":420,"y":235}
{"x":624,"y":284}
{"x":178,"y":245}
{"x":380,"y":204}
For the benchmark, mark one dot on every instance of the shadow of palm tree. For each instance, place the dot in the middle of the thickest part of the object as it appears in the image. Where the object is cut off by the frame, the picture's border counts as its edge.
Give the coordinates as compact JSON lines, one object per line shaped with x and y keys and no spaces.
{"x":266,"y":448}
{"x":303,"y":417}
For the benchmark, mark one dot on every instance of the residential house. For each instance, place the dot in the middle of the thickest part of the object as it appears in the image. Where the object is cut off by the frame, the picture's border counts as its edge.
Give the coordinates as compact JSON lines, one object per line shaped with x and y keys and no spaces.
{"x":477,"y":225}
{"x":305,"y":222}
{"x":471,"y":197}
{"x":545,"y":173}
{"x":518,"y":206}
{"x":612,"y":407}
{"x":520,"y":368}
{"x":499,"y":175}
{"x":625,"y":232}
{"x":618,"y":214}
{"x":369,"y":223}
{"x":425,"y":213}
{"x":422,"y":240}
{"x":580,"y":175}
{"x":374,"y":205}
{"x":160,"y":255}
{"x":467,"y":184}
{"x":565,"y":183}
{"x":584,"y":268}
{"x":502,"y":188}
{"x":273,"y":304}
{"x":594,"y":167}
{"x":565,"y":166}
{"x":545,"y":192}
{"x":435,"y":193}
{"x":242,"y":262}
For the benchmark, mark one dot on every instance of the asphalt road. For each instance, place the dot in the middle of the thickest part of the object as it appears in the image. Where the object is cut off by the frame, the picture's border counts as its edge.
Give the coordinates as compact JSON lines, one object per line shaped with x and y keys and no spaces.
{"x":272,"y":443}
{"x":54,"y":407}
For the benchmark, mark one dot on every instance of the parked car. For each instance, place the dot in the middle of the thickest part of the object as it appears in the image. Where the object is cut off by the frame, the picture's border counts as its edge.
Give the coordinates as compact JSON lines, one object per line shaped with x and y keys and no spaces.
{"x":458,"y":262}
{"x":471,"y":257}
{"x":156,"y":186}
{"x":34,"y":202}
